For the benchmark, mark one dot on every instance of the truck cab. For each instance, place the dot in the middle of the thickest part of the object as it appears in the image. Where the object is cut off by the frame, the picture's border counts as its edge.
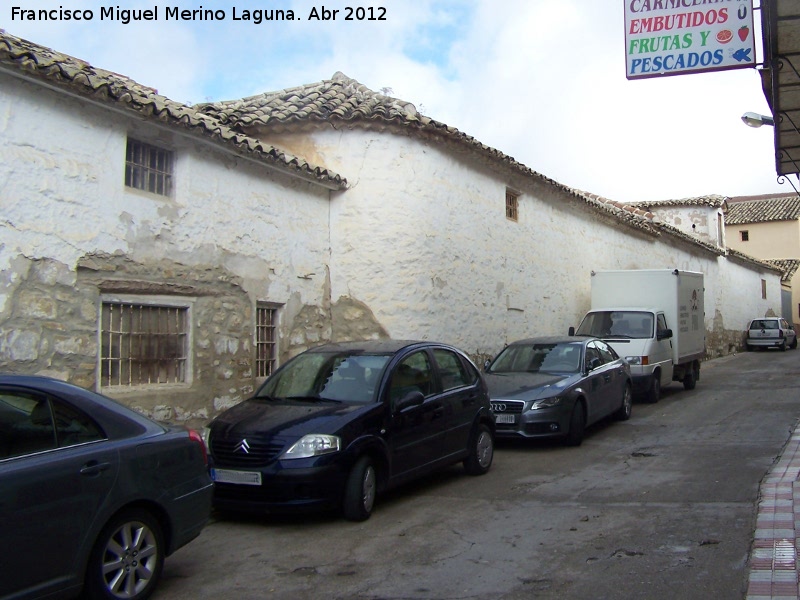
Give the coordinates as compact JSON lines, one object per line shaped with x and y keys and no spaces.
{"x":655,"y":319}
{"x":642,"y":337}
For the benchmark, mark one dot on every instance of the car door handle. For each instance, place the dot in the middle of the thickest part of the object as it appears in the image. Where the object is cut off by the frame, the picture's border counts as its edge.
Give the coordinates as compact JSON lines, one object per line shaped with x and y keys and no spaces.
{"x":438,"y":413}
{"x":93,"y":468}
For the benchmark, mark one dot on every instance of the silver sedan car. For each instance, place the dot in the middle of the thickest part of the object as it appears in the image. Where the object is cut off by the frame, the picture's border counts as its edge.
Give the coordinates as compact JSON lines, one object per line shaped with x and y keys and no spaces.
{"x":556,"y":387}
{"x":93,"y":495}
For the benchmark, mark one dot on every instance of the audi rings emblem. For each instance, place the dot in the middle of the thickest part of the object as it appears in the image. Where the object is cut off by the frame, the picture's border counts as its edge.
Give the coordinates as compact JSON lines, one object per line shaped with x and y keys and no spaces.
{"x":243,"y":447}
{"x":497,"y":407}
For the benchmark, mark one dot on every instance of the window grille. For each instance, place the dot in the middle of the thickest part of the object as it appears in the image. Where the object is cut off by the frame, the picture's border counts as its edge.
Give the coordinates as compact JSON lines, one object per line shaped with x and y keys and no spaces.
{"x":148,"y":168}
{"x":143,"y":344}
{"x":745,"y":236}
{"x":512,"y":205}
{"x":266,"y":338}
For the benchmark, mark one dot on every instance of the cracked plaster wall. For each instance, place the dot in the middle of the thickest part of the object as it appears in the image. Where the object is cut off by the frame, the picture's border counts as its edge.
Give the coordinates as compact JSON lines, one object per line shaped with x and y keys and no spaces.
{"x":234,"y":232}
{"x":422,"y":239}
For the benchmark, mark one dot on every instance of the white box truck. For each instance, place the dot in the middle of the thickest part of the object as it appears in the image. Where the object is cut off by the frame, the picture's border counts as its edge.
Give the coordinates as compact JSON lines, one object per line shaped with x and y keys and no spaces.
{"x":655,"y":319}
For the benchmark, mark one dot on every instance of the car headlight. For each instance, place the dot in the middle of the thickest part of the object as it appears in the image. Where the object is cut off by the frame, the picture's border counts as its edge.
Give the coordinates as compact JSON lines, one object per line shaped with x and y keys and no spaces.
{"x":313,"y":444}
{"x":633,"y":360}
{"x":546,"y":402}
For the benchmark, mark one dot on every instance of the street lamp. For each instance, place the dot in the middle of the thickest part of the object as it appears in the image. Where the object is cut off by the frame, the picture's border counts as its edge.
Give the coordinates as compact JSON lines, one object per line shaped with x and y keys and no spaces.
{"x":752,"y":119}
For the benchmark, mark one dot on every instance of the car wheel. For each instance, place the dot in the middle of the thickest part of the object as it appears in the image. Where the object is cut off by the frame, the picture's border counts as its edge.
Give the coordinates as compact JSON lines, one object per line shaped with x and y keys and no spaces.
{"x":480,"y":451}
{"x":577,"y":424}
{"x":748,"y":347}
{"x":793,"y":345}
{"x":624,"y":411}
{"x":690,"y":379}
{"x":654,"y":391}
{"x":127,"y":558}
{"x":783,"y":346}
{"x":360,"y":490}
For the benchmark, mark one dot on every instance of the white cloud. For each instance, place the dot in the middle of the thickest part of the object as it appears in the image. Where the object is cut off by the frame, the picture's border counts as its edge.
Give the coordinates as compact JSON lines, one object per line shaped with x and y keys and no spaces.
{"x":541,"y":80}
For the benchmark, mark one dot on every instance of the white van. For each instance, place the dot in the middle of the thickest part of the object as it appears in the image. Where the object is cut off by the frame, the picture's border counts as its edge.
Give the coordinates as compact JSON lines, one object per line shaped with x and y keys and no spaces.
{"x":655,"y":319}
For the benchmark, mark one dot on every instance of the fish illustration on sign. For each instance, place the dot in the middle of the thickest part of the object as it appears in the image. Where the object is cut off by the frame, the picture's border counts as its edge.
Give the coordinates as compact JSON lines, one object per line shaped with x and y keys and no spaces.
{"x":742,"y":54}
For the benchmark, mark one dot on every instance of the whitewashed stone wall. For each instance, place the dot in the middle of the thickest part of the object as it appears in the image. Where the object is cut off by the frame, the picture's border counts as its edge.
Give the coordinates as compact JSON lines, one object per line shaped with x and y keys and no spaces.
{"x":418,"y":247}
{"x":705,"y":223}
{"x":234,"y":232}
{"x":423,"y":240}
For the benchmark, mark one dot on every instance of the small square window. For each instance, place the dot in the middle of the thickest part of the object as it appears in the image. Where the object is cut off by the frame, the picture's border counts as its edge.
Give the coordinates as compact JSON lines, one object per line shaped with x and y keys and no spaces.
{"x":745,"y":235}
{"x":148,"y":168}
{"x":512,"y":205}
{"x":266,"y":339}
{"x":763,"y":289}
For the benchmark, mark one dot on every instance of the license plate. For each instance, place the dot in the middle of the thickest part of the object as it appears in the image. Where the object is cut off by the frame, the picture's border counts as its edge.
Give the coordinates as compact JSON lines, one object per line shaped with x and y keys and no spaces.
{"x":239,"y":477}
{"x":504,"y":419}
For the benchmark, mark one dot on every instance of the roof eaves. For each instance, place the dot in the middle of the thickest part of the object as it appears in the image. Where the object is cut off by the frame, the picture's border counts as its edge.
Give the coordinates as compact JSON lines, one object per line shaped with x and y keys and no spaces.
{"x":788,"y":266}
{"x":76,"y":77}
{"x":749,"y":260}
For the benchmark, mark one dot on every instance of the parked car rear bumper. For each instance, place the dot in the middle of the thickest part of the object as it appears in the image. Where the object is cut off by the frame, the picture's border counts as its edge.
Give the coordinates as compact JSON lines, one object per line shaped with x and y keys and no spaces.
{"x":767,"y":342}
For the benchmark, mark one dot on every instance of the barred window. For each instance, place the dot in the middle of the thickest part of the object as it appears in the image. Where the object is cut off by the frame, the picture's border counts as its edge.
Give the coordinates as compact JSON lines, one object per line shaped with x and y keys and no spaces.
{"x":745,"y":235}
{"x":143,"y":344}
{"x":148,"y":168}
{"x":512,"y":205}
{"x":266,"y":338}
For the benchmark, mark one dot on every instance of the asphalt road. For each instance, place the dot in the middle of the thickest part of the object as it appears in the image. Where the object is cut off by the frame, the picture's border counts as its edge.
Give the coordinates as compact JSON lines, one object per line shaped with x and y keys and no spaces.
{"x":660,"y":506}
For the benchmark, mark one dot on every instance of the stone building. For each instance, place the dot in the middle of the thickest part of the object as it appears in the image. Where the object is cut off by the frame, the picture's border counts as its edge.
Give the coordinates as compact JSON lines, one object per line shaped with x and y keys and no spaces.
{"x":170,"y":256}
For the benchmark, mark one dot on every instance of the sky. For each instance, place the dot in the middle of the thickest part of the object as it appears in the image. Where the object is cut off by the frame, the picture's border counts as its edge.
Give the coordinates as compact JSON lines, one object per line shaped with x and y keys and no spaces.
{"x":543,"y":81}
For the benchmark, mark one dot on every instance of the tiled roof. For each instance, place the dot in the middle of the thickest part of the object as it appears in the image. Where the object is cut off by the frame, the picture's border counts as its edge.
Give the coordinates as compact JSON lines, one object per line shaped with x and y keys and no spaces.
{"x":345,"y":100}
{"x":788,"y":267}
{"x":747,"y":259}
{"x":711,"y":201}
{"x":38,"y":63}
{"x":785,"y":208}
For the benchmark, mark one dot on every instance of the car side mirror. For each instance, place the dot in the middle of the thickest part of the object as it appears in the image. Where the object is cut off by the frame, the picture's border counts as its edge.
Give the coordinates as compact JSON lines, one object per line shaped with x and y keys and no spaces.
{"x":571,"y":331}
{"x":415,"y":398}
{"x":664,"y":334}
{"x":594,"y":363}
{"x":486,"y":364}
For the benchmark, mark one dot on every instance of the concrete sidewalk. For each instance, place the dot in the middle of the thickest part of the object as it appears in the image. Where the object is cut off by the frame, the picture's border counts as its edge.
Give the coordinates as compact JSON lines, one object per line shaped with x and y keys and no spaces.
{"x":773,"y":558}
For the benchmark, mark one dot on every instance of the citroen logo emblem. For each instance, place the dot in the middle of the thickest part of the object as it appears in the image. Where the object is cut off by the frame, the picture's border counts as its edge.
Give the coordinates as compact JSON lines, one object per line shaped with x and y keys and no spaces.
{"x":243,"y":447}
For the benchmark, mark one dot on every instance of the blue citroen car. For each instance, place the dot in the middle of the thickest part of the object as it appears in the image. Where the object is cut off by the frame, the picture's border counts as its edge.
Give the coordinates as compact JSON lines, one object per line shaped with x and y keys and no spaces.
{"x":93,"y":495}
{"x":339,"y":423}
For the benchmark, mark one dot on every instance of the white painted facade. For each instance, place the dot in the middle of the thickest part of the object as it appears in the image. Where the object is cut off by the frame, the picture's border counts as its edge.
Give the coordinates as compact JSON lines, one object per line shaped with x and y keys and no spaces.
{"x":230,"y":222}
{"x":418,"y":246}
{"x":422,"y":238}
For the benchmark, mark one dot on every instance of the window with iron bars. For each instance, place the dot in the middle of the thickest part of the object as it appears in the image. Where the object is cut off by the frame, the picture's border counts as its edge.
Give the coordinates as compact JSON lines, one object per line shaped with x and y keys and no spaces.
{"x":143,"y":344}
{"x":512,"y":205}
{"x":148,"y":168}
{"x":266,"y":339}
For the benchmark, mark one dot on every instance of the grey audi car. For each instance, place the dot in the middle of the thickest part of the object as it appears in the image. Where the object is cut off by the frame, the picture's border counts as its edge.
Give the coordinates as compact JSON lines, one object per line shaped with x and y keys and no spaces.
{"x":337,"y":424}
{"x":93,"y":495}
{"x":556,"y":387}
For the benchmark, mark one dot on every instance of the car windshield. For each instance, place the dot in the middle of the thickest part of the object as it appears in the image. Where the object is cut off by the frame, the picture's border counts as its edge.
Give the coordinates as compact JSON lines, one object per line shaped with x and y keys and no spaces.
{"x":764,"y":324}
{"x":562,"y":357}
{"x":618,"y":323}
{"x":321,"y":376}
